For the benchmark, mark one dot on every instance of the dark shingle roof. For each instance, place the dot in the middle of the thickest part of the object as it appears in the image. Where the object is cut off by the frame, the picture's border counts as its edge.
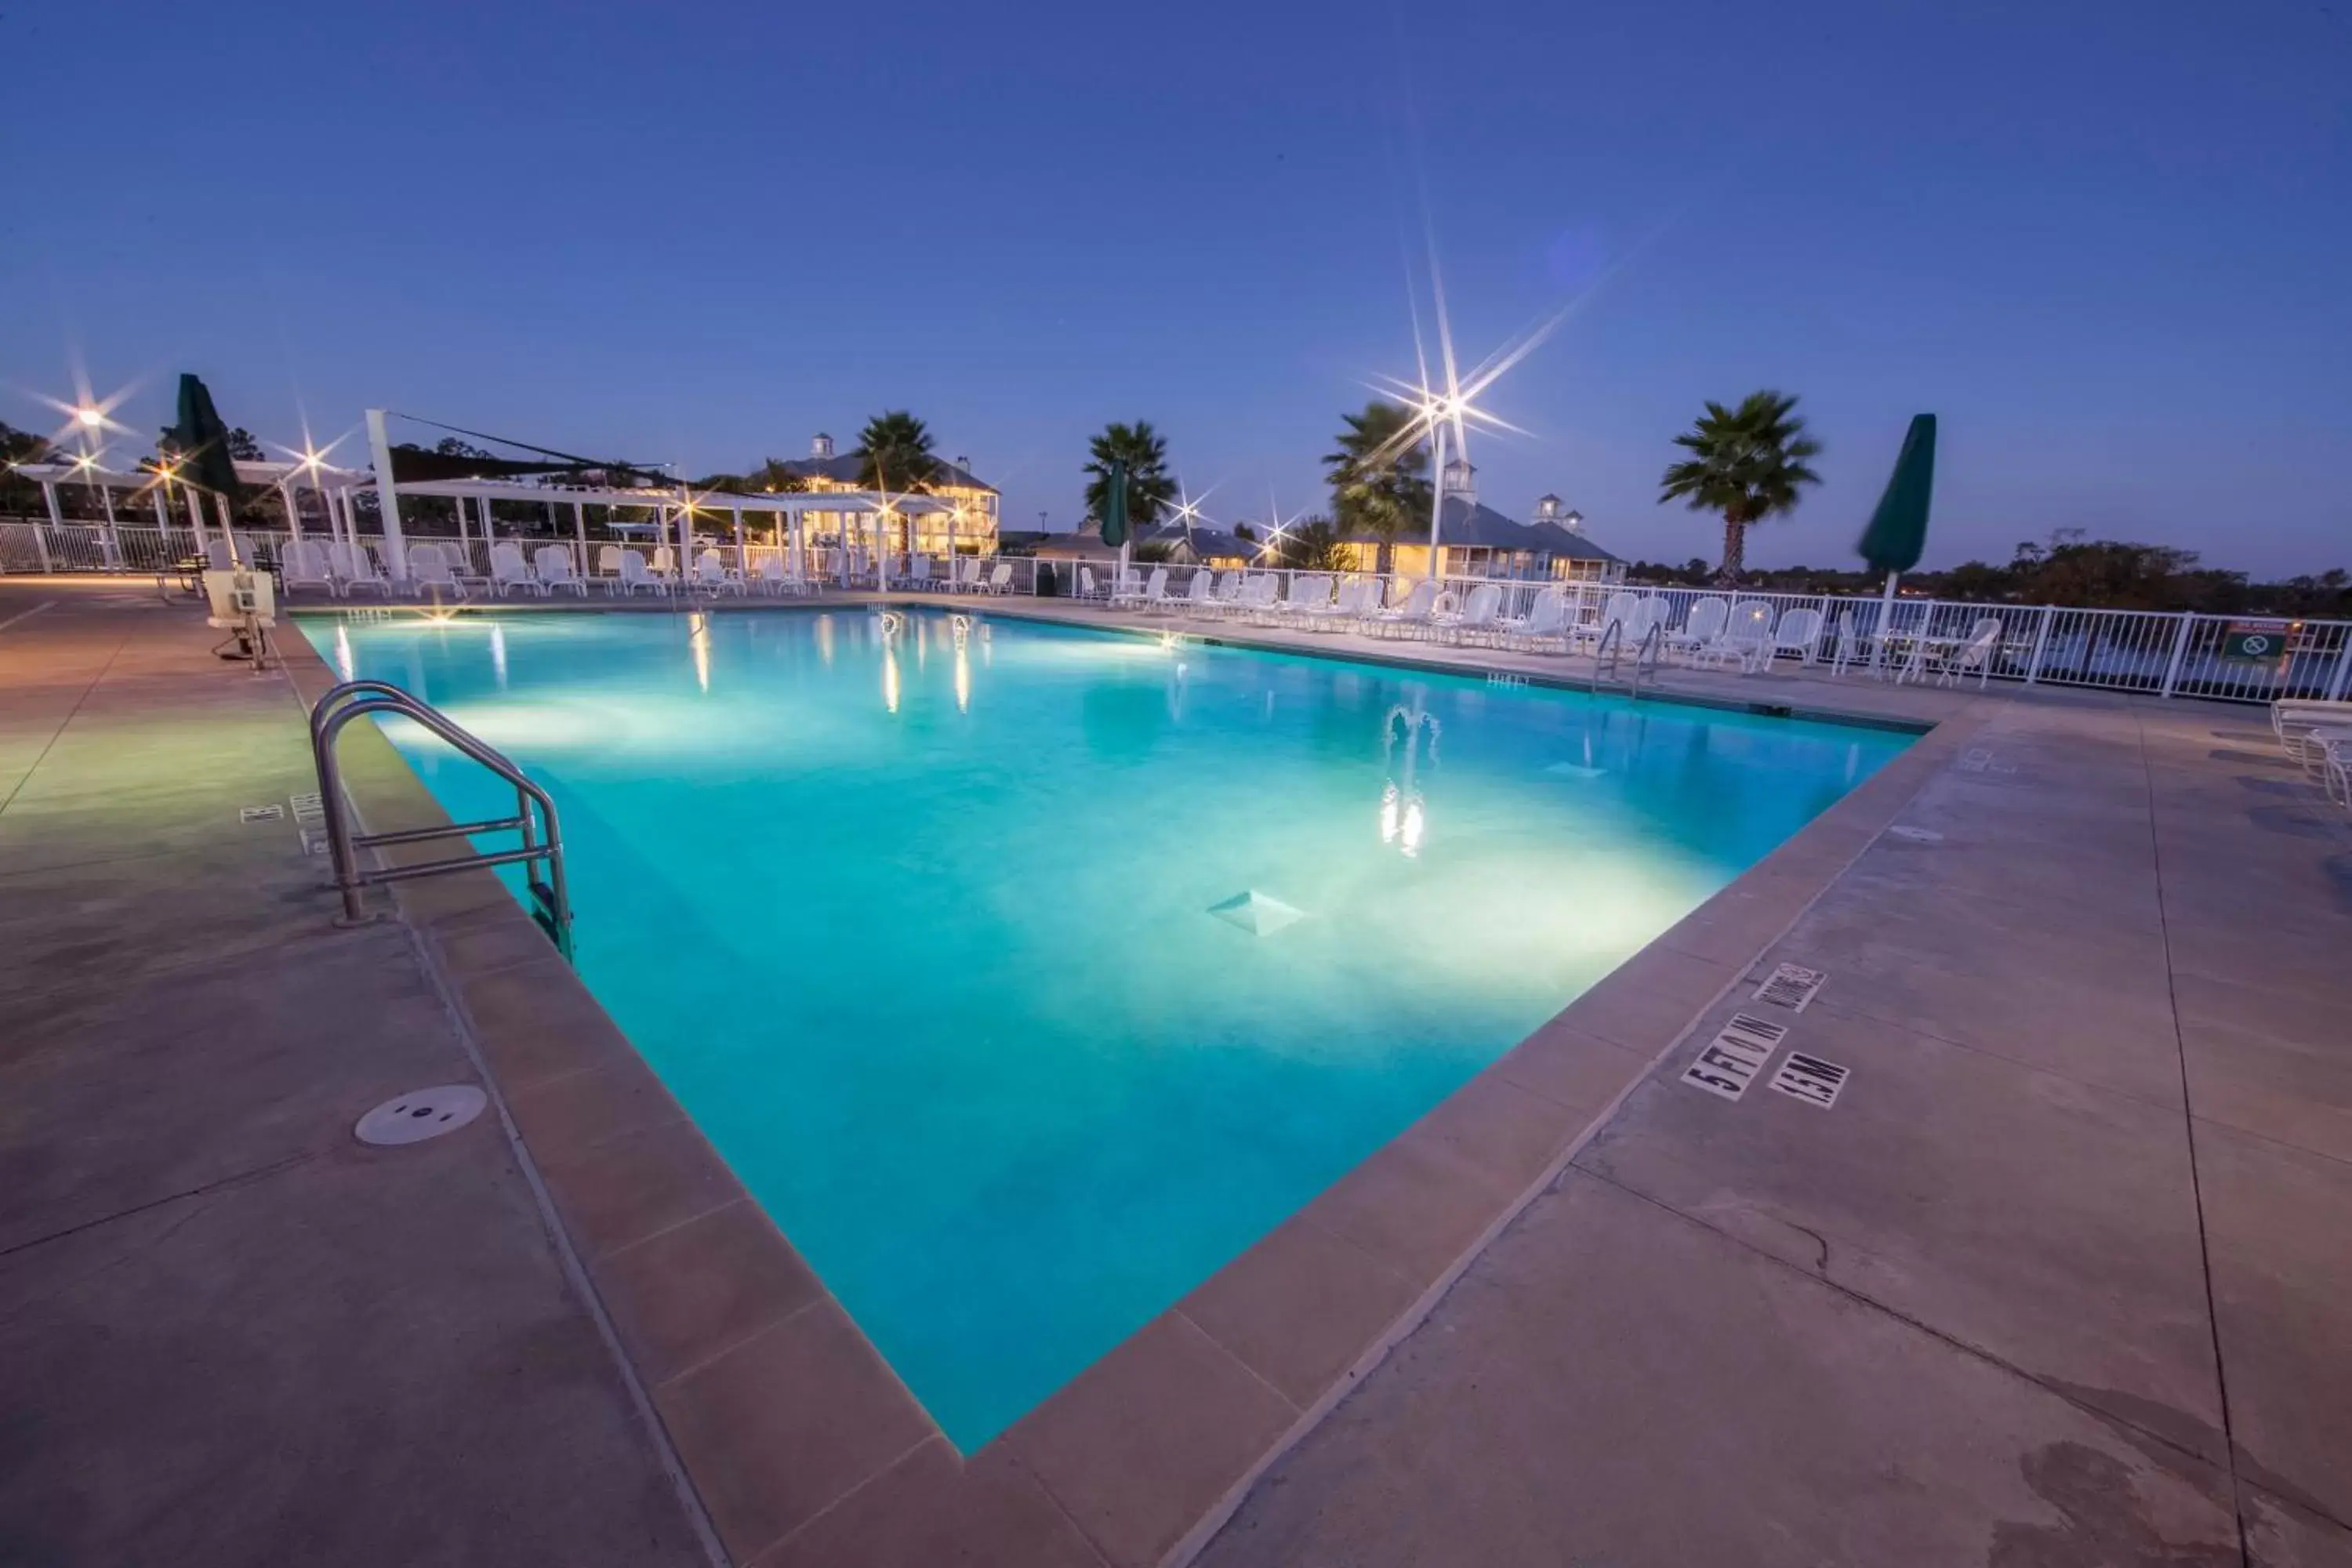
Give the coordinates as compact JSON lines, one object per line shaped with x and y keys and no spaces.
{"x":1469,"y":525}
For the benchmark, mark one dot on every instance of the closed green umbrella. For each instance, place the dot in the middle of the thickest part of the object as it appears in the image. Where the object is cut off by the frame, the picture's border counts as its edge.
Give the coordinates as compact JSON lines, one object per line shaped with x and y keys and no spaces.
{"x":200,"y":439}
{"x":1114,"y":518}
{"x":1897,"y":535}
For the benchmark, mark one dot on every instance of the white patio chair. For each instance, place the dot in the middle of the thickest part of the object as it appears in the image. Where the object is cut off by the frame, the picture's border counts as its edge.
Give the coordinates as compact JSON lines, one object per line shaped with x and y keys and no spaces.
{"x":1701,"y":626}
{"x":1155,"y":591}
{"x":509,"y":569}
{"x":608,"y":560}
{"x":1974,"y":656}
{"x":429,"y":571}
{"x":1127,"y":588}
{"x":1853,"y":646}
{"x":712,"y":574}
{"x":1197,"y":590}
{"x":1746,"y":640}
{"x":664,"y":562}
{"x":999,"y":581}
{"x":1475,"y":621}
{"x":1800,"y":632}
{"x":305,"y":564}
{"x":354,"y":567}
{"x":1545,"y":621}
{"x":635,"y":576}
{"x":551,"y":563}
{"x":1422,"y":603}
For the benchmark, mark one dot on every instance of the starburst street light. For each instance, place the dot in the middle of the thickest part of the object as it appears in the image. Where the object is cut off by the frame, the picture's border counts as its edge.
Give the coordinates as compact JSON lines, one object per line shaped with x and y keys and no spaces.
{"x":1450,"y":402}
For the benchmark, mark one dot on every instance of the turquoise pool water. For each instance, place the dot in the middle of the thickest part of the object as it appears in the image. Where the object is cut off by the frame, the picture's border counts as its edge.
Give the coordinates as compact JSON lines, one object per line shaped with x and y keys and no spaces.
{"x":921,"y":934}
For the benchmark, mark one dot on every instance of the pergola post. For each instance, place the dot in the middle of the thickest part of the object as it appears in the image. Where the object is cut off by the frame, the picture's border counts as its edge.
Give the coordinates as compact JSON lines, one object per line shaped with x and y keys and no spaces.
{"x":195,"y":514}
{"x":579,"y":532}
{"x":228,"y":530}
{"x":465,"y":555}
{"x":293,"y":512}
{"x":742,"y":562}
{"x":798,"y":569}
{"x":113,"y":535}
{"x":387,"y":499}
{"x":162,"y":524}
{"x":57,"y":521}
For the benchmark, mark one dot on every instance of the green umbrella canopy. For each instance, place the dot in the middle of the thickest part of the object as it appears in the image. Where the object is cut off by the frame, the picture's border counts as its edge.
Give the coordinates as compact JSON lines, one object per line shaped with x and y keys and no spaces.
{"x":1897,"y":535}
{"x":1114,"y":519}
{"x":201,"y":440}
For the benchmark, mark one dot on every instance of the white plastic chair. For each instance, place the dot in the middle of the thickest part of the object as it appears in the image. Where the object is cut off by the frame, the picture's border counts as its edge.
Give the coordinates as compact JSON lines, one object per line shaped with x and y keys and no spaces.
{"x":1001,"y":580}
{"x":1477,"y":617}
{"x":1155,"y":590}
{"x":1701,"y":626}
{"x":1413,"y":617}
{"x":1800,"y":632}
{"x":305,"y":564}
{"x":1747,"y":638}
{"x":553,"y":563}
{"x":608,"y":560}
{"x":711,"y":571}
{"x":509,"y":569}
{"x":634,"y":576}
{"x":1545,"y":621}
{"x":354,"y":568}
{"x":429,"y":568}
{"x":665,"y":562}
{"x":1975,"y":654}
{"x":1197,"y":591}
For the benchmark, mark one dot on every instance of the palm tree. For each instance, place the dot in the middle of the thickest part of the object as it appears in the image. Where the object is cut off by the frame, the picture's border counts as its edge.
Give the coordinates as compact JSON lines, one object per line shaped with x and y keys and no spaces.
{"x":1747,"y":463}
{"x":894,"y":453}
{"x":1377,"y":475}
{"x":1150,"y":486}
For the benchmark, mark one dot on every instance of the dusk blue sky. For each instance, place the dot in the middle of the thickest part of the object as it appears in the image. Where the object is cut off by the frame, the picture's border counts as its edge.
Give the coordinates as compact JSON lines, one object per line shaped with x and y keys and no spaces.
{"x":2108,"y":245}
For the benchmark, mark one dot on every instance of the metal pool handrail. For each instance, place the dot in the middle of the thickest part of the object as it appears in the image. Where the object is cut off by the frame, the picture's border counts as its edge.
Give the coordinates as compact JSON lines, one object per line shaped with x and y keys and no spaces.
{"x":542,"y":836}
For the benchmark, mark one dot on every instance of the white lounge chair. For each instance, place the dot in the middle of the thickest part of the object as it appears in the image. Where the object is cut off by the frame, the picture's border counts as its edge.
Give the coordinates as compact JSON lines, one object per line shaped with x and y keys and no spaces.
{"x":1423,"y":601}
{"x":1475,"y":621}
{"x":1701,"y":626}
{"x":664,"y":564}
{"x":634,"y":576}
{"x":354,"y":568}
{"x":305,"y":564}
{"x":999,"y":581}
{"x":430,"y":572}
{"x":1621,"y":608}
{"x":1127,"y":588}
{"x":1545,"y":622}
{"x":1305,"y":596}
{"x":553,"y":563}
{"x":1746,"y":640}
{"x":1346,"y":605}
{"x":1155,"y":591}
{"x":712,"y":574}
{"x":2300,"y":722}
{"x":1799,"y":631}
{"x":1197,"y":590}
{"x":1224,"y":592}
{"x":1853,"y":646}
{"x":509,"y":569}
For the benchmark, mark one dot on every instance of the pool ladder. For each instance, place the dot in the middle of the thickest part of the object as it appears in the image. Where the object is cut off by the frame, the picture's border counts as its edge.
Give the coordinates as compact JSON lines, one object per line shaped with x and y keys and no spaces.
{"x":534,"y":818}
{"x":1647,"y":657}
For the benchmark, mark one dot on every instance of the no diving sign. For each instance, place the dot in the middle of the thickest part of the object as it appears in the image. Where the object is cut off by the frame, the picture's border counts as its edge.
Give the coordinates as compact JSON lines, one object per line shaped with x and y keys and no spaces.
{"x":2257,"y":642}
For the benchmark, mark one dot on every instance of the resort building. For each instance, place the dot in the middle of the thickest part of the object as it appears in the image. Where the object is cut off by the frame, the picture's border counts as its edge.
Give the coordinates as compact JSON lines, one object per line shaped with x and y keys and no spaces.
{"x":1200,"y":545}
{"x":973,"y":505}
{"x":1476,"y":541}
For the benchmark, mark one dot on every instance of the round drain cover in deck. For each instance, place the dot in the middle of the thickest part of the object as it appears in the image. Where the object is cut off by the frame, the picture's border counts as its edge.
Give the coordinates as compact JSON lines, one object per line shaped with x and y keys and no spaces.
{"x":426,"y":1114}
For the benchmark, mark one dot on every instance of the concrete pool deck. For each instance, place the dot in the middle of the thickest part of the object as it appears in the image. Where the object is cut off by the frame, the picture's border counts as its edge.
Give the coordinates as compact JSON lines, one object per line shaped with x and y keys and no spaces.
{"x":1962,"y":1312}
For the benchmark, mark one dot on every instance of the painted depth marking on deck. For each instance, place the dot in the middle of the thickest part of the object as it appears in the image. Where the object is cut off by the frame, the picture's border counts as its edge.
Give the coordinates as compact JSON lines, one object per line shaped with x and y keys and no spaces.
{"x":1737,"y":1054}
{"x":1811,"y":1079}
{"x":261,"y":814}
{"x":307,"y":807}
{"x":1791,"y":985}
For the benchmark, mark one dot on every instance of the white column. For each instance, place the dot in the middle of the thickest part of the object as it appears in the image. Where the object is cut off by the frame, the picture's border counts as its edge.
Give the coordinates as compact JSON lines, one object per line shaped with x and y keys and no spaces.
{"x":799,"y":567}
{"x":293,"y":512}
{"x":228,"y":530}
{"x":195,"y":514}
{"x":684,"y":541}
{"x":113,"y":534}
{"x":465,"y":556}
{"x":580,"y":533}
{"x":742,"y":562}
{"x":57,"y":521}
{"x":387,"y":499}
{"x":1437,"y":493}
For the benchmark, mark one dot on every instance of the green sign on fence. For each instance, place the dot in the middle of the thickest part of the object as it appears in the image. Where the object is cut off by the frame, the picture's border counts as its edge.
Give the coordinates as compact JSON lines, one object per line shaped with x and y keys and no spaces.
{"x":2256,"y":642}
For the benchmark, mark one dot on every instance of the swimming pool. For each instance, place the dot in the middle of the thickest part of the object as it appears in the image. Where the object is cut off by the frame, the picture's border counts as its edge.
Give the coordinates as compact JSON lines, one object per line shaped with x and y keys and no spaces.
{"x":1026,"y":975}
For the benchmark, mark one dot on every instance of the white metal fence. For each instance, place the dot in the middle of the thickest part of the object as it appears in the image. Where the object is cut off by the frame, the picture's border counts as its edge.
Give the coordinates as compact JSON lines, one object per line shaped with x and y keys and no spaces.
{"x":2167,"y":654}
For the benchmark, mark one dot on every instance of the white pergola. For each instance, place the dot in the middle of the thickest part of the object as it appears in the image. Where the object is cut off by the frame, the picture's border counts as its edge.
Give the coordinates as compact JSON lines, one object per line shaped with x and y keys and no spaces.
{"x":333,"y":485}
{"x":675,"y":508}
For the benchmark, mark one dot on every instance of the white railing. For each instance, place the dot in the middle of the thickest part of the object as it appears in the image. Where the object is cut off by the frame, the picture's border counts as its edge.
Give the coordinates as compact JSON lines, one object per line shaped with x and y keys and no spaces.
{"x":2164,"y":653}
